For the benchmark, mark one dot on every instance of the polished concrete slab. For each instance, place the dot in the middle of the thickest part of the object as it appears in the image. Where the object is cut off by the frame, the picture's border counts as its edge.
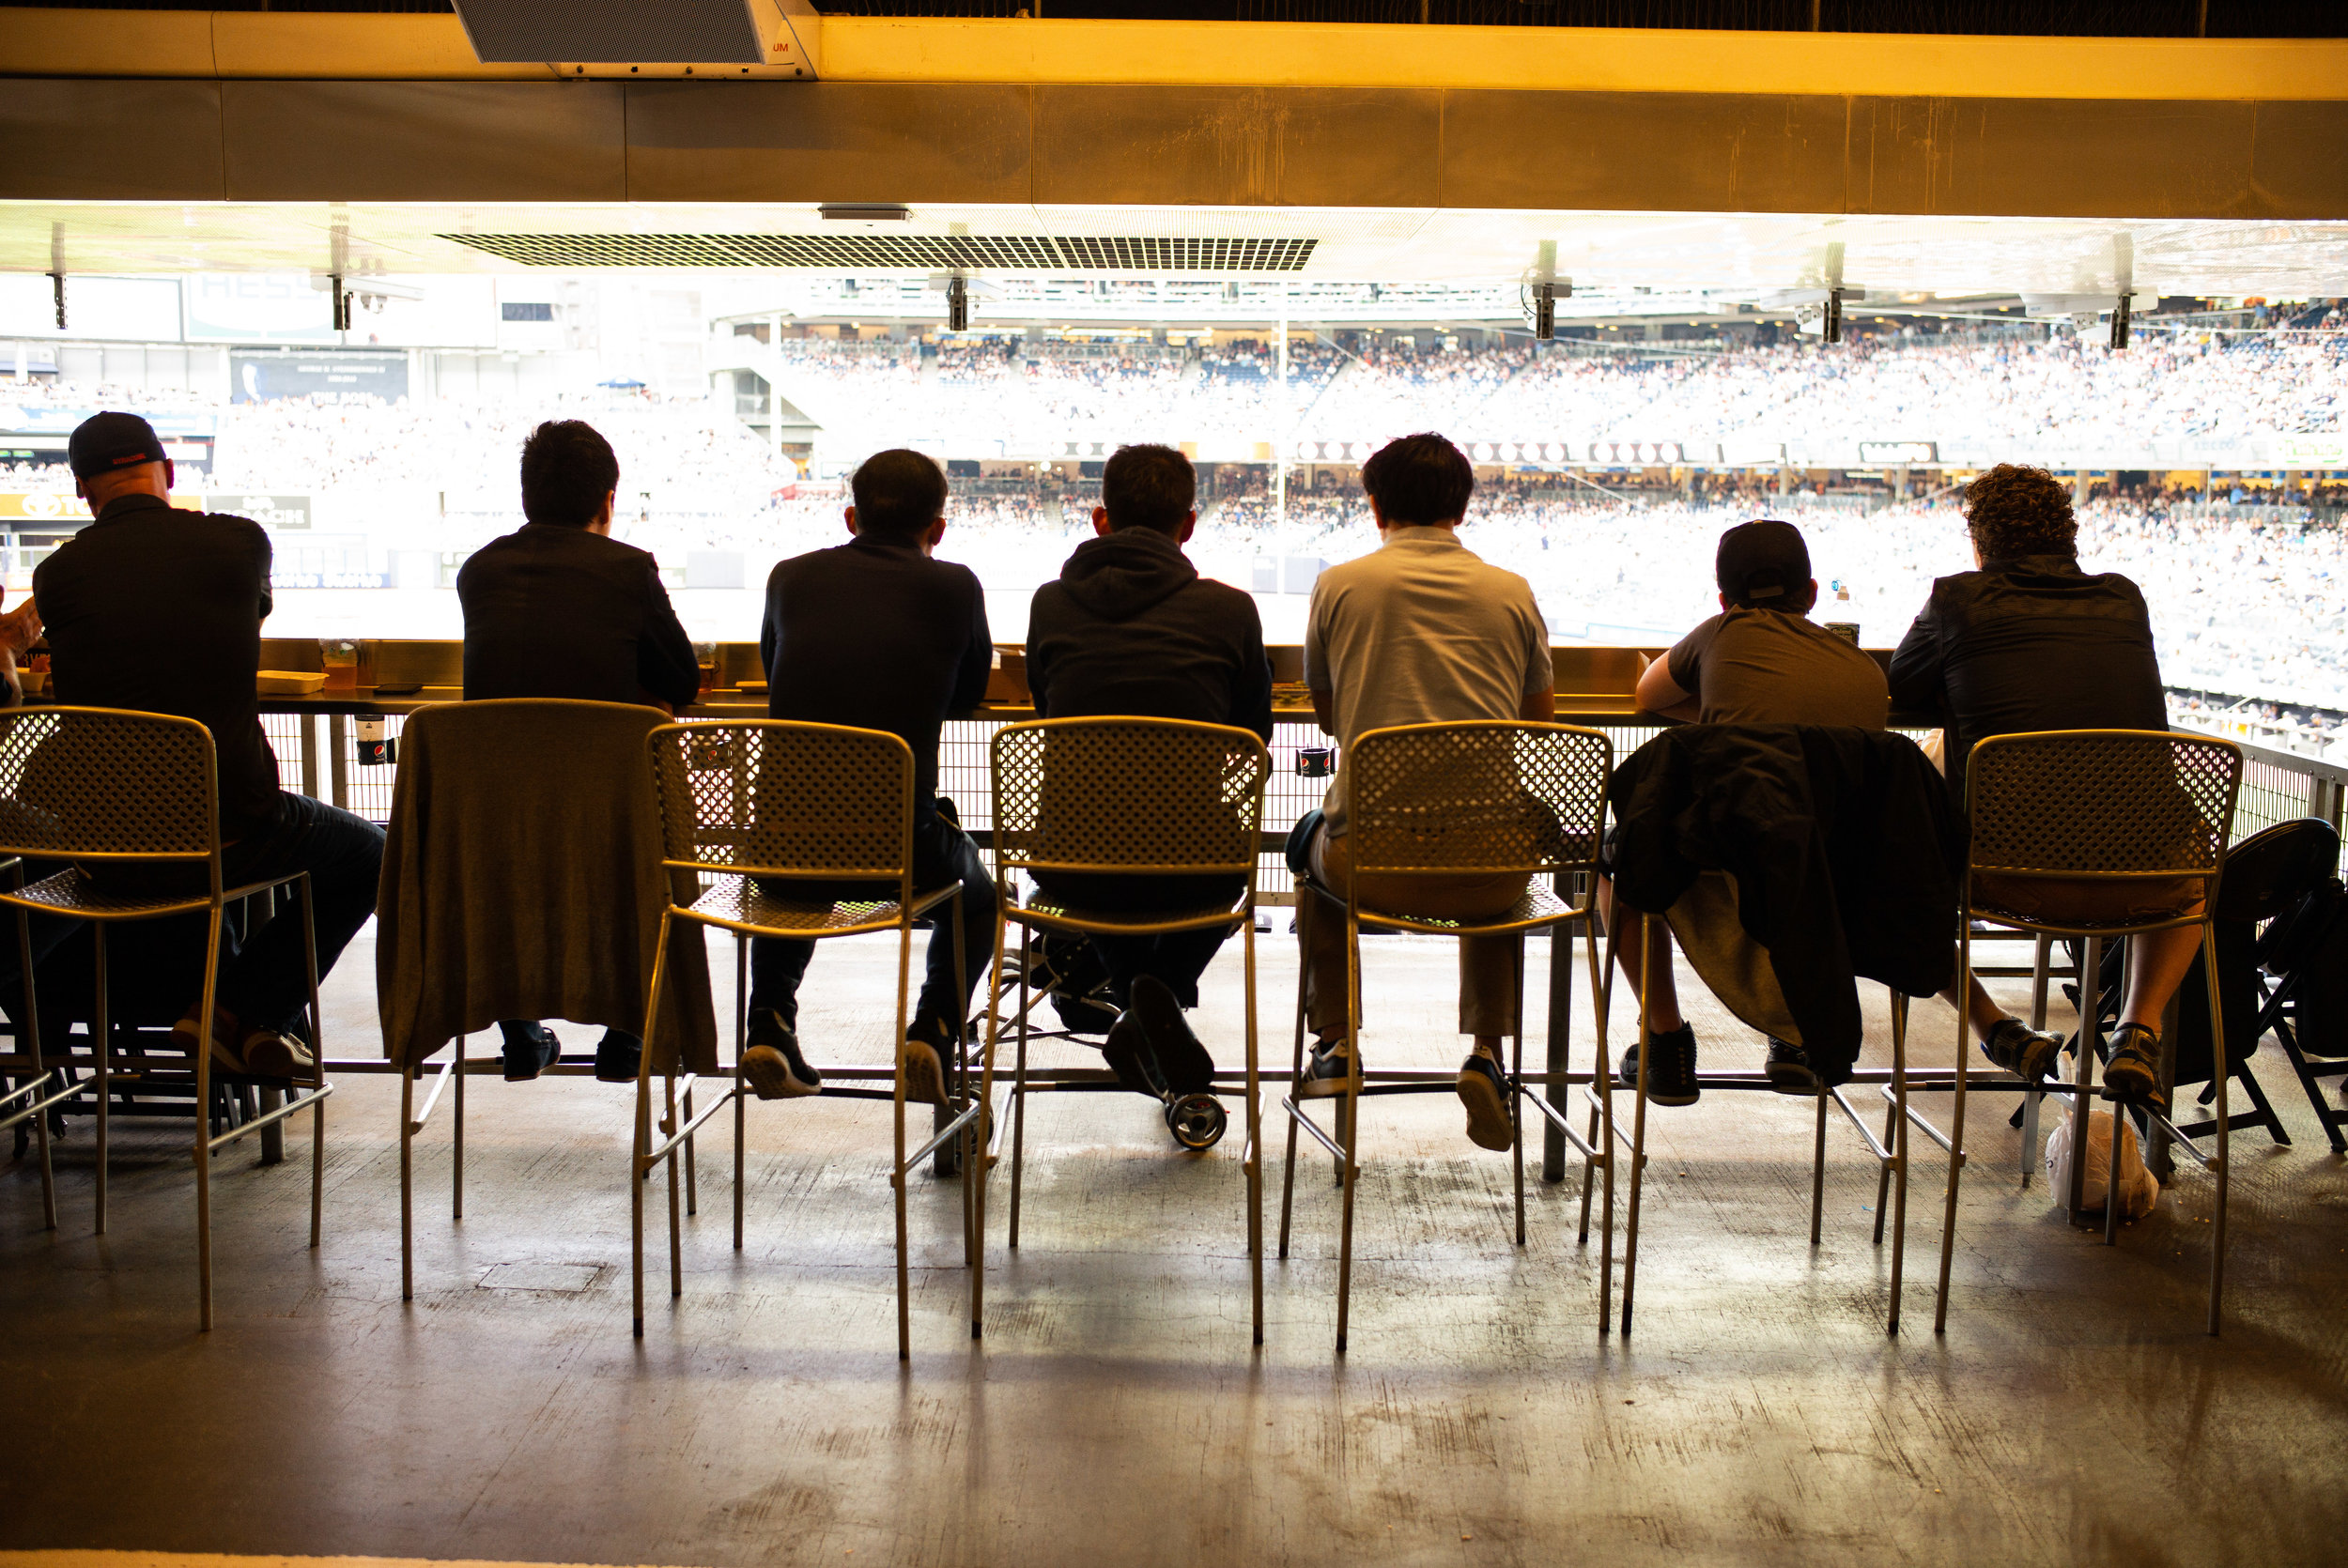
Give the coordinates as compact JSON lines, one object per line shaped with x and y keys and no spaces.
{"x":1115,"y":1411}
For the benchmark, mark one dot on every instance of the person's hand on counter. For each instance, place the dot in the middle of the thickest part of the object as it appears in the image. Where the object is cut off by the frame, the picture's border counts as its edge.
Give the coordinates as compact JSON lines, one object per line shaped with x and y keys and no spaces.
{"x":20,"y":628}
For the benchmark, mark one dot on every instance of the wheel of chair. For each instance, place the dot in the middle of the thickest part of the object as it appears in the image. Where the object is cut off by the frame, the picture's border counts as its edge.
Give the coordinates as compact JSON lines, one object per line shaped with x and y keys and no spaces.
{"x":1197,"y":1121}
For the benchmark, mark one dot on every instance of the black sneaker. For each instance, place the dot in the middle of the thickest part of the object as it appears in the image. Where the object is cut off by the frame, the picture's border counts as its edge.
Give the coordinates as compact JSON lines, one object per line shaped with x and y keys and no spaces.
{"x":2132,"y":1075}
{"x":1127,"y":1051}
{"x":1183,"y":1061}
{"x":771,"y":1063}
{"x":2021,"y":1050}
{"x":530,"y":1048}
{"x":924,"y":1068}
{"x":619,"y":1055}
{"x":1671,"y":1075}
{"x":1789,"y":1069}
{"x":1326,"y":1072}
{"x":1484,"y":1090}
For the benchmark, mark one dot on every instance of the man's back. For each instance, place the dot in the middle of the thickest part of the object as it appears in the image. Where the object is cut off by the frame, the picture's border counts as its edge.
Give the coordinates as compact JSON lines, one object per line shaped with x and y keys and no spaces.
{"x":160,"y":609}
{"x":1421,"y":631}
{"x":1131,"y":627}
{"x":558,"y":611}
{"x":2031,"y":643}
{"x":1774,"y":666}
{"x":879,"y":636}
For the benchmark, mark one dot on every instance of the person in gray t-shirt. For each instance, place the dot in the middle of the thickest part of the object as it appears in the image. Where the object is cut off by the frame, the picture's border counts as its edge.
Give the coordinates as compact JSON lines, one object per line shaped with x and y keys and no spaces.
{"x":1421,"y":631}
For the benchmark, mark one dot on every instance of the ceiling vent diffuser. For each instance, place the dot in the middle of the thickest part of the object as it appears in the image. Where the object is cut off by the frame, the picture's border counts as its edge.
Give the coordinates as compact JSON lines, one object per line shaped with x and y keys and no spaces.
{"x":1037,"y":252}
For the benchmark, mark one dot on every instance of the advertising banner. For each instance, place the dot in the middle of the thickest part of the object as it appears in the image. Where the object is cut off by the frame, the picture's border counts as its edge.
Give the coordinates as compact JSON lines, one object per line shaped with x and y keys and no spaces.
{"x":271,"y":511}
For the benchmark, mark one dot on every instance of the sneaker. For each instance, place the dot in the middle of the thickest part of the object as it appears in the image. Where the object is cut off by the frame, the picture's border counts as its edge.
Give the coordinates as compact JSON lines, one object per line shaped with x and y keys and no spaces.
{"x":1672,"y":1076}
{"x":2021,"y":1050}
{"x":924,"y":1068}
{"x":1327,"y":1072}
{"x":530,"y":1048}
{"x":771,"y":1063}
{"x":2132,"y":1075}
{"x":1183,"y":1061}
{"x":619,"y":1056}
{"x":272,"y":1054}
{"x":1128,"y":1054}
{"x":1789,"y":1069}
{"x":227,"y":1038}
{"x":1484,"y":1090}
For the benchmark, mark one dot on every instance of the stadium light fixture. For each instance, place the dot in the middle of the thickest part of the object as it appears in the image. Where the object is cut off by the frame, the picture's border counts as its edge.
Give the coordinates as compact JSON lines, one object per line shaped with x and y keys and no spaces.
{"x":2119,"y":323}
{"x":56,"y":271}
{"x":957,"y":304}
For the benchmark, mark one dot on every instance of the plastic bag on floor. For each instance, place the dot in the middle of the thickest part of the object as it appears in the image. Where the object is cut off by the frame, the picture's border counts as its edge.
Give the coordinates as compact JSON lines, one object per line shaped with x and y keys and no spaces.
{"x":2138,"y":1188}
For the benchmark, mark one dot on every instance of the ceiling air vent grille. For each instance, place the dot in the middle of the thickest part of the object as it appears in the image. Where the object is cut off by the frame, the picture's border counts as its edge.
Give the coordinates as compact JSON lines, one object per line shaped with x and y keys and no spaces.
{"x":997,"y":252}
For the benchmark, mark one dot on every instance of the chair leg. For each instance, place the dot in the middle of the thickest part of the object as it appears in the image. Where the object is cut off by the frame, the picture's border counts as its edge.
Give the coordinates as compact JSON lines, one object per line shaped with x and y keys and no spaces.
{"x":981,"y":1143}
{"x":30,"y":1027}
{"x":1255,"y":1135}
{"x":457,"y":1135}
{"x":203,"y":1126}
{"x":1638,"y":1128}
{"x":1956,"y":1120}
{"x":1296,"y":1069}
{"x":1350,"y":1118}
{"x":1559,"y":1047}
{"x":2083,"y":1077}
{"x":1892,"y":1114}
{"x":2220,"y":1070}
{"x":2042,"y":957}
{"x":741,"y":1036}
{"x":318,"y":1067}
{"x":904,"y":1270}
{"x":1602,"y":1071}
{"x":102,"y":1029}
{"x":1817,"y":1170}
{"x":1899,"y":1158}
{"x":407,"y":1181}
{"x":692,"y":1182}
{"x":1019,"y":1087}
{"x":640,"y":1159}
{"x":1516,"y":1089}
{"x":676,"y":1227}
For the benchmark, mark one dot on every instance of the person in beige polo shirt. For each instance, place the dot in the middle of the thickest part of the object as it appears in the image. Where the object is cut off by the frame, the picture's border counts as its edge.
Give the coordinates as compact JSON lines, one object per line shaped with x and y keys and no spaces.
{"x":1419,"y":631}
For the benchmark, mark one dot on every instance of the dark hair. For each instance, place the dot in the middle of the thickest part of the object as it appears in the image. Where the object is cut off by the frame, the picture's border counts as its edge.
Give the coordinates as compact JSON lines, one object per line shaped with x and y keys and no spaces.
{"x":898,"y":494}
{"x":2012,"y":510}
{"x":1419,"y":479}
{"x":1149,"y":486}
{"x":567,"y":468}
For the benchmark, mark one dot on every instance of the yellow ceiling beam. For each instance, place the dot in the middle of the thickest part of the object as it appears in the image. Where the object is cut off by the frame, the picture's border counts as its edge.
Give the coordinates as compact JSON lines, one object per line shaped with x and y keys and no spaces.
{"x":294,"y":45}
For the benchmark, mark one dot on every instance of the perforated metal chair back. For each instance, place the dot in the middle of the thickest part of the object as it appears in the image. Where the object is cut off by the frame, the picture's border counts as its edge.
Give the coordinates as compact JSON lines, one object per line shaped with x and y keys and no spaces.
{"x":1480,"y":796}
{"x":1138,"y":795}
{"x":774,"y":798}
{"x":2101,"y":805}
{"x":106,"y":783}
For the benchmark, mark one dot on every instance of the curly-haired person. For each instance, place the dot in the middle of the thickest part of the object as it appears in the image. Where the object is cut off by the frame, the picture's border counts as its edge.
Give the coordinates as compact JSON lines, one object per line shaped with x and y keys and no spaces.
{"x":2030,"y":643}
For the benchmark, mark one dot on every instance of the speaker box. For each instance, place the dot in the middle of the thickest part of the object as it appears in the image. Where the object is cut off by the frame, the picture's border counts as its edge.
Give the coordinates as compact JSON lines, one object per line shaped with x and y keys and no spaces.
{"x":600,"y":32}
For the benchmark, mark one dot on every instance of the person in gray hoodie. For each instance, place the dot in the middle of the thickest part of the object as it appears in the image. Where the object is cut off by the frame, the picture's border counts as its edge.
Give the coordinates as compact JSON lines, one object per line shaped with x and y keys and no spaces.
{"x":1131,"y":628}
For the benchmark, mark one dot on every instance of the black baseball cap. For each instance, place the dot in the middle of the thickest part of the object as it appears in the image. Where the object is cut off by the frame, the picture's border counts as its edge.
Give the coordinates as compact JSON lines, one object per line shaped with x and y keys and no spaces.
{"x":105,"y":443}
{"x":1762,"y":564}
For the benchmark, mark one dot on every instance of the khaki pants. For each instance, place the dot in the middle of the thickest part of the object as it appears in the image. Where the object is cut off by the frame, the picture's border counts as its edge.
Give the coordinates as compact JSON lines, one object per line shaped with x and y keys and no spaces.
{"x":1488,"y":991}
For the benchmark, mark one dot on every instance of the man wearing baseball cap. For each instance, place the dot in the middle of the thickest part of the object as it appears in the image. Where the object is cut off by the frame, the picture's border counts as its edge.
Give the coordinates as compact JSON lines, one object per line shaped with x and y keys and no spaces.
{"x":157,"y":609}
{"x":1762,"y":660}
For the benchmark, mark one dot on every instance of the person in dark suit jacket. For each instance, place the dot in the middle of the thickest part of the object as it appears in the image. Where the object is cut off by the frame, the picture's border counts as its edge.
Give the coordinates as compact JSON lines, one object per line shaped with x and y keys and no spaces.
{"x":560,"y":609}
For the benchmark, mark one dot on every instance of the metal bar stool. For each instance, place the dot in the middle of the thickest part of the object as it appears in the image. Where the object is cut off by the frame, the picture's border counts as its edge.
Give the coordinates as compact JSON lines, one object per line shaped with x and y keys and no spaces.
{"x":104,"y":786}
{"x":1484,"y":797}
{"x":2074,"y":821}
{"x":1889,"y":1152}
{"x":766,"y":801}
{"x":1140,"y":798}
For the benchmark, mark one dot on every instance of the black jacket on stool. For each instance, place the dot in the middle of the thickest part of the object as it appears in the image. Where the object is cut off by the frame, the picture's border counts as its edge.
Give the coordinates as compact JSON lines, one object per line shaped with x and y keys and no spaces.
{"x":1842,"y":845}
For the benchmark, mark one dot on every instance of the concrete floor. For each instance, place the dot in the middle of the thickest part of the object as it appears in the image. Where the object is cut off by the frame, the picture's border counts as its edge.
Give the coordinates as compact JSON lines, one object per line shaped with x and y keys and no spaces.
{"x":1115,"y":1411}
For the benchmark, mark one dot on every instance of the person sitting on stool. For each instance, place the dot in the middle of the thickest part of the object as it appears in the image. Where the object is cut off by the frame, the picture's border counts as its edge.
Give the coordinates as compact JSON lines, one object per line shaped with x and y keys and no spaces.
{"x":560,"y":609}
{"x":1420,"y":631}
{"x":877,"y":635}
{"x":160,"y":609}
{"x":2030,"y":643}
{"x":1131,"y":628}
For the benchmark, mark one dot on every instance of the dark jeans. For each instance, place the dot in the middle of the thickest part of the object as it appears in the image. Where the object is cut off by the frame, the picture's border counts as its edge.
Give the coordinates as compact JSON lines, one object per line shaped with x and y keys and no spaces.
{"x":942,"y":852}
{"x":264,"y":984}
{"x":1176,"y":958}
